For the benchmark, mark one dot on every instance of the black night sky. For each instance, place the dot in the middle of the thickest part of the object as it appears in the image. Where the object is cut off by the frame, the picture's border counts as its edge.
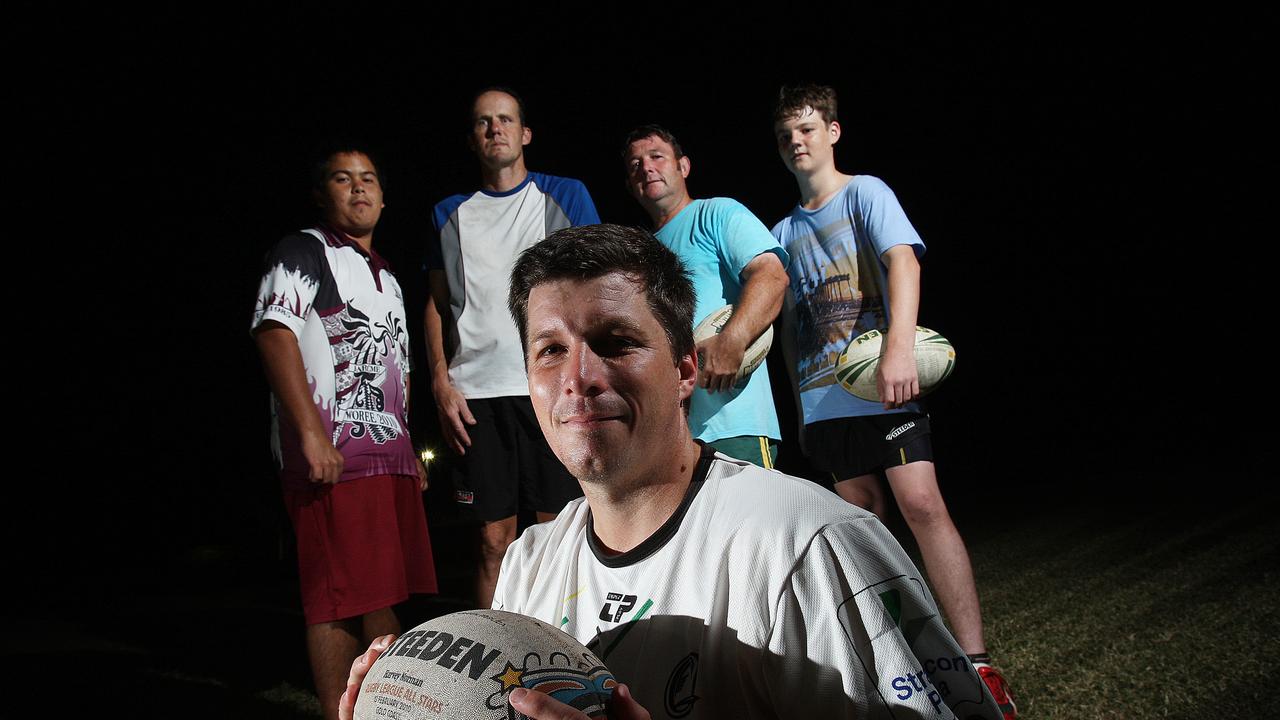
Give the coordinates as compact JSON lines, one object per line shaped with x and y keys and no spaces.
{"x":1084,"y":185}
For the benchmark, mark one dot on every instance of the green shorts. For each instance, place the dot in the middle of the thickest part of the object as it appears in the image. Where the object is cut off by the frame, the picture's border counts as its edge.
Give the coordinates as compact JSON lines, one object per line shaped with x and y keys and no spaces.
{"x":756,"y":449}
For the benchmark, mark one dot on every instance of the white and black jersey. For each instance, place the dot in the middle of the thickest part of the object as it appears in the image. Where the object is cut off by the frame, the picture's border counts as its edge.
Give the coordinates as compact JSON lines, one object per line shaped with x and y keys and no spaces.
{"x":762,"y":596}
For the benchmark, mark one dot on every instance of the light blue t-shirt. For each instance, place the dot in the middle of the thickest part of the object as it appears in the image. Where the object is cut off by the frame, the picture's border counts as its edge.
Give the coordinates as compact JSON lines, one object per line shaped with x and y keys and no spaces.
{"x":840,"y":286}
{"x":715,"y":239}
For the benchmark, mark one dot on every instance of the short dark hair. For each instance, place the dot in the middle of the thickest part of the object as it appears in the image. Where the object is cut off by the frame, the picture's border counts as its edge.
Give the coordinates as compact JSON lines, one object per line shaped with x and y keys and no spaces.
{"x":792,"y":100}
{"x":320,"y":168}
{"x":471,"y":107}
{"x":587,"y":252}
{"x":645,"y":131}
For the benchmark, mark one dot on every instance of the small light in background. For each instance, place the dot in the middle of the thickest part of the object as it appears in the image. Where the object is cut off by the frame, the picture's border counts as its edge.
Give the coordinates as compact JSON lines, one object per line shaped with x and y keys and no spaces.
{"x":427,"y":456}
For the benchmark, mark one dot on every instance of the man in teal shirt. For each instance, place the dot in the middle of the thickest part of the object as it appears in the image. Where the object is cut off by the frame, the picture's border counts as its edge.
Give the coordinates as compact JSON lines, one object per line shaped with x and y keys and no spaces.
{"x":732,"y":259}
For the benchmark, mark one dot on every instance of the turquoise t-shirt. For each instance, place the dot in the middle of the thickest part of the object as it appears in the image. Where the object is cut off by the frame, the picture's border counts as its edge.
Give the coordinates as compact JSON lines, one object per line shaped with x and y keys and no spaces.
{"x":715,"y":239}
{"x":840,"y":286}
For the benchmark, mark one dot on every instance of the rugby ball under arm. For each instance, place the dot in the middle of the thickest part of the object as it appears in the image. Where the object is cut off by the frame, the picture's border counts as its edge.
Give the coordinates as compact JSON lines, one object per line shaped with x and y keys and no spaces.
{"x":755,"y":353}
{"x":857,"y":365}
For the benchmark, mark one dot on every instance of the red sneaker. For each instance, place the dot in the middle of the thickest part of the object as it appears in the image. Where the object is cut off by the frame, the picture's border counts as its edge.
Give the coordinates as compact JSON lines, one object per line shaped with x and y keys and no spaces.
{"x":999,"y":689}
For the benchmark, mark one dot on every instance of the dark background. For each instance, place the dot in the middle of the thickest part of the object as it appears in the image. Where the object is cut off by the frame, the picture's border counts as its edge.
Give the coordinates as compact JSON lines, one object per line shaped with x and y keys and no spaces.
{"x":1084,"y":182}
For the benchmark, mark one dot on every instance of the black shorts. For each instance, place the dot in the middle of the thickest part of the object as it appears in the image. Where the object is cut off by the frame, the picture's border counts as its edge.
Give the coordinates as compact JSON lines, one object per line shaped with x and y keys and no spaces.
{"x":854,"y":446}
{"x":509,"y":466}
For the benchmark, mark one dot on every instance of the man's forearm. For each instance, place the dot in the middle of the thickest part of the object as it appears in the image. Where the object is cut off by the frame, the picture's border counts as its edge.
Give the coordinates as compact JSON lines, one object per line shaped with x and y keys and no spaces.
{"x":282,"y":361}
{"x":760,"y":300}
{"x":433,"y":329}
{"x":904,"y":297}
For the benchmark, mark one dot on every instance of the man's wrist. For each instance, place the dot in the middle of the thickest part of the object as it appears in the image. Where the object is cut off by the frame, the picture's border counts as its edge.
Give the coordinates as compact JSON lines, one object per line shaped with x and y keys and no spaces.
{"x":900,"y":341}
{"x":733,"y":338}
{"x":312,"y":434}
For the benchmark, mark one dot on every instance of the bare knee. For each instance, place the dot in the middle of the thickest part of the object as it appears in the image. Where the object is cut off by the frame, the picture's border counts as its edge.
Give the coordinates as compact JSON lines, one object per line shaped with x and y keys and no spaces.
{"x":863,"y":491}
{"x":921,"y":508}
{"x":495,"y":537}
{"x":915,"y":488}
{"x":379,"y":622}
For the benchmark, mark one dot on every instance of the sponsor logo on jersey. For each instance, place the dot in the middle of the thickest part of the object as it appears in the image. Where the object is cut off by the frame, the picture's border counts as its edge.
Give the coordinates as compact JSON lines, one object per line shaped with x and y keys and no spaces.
{"x":681,"y":684}
{"x":913,"y":626}
{"x":937,"y":672}
{"x":899,"y":430}
{"x":608,"y":613}
{"x":616,"y":635}
{"x":466,"y":497}
{"x":912,"y":684}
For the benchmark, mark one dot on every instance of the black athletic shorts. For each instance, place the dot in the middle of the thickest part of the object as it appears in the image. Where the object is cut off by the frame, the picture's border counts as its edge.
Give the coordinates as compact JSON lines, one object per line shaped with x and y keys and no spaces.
{"x":509,"y":466}
{"x":854,"y":446}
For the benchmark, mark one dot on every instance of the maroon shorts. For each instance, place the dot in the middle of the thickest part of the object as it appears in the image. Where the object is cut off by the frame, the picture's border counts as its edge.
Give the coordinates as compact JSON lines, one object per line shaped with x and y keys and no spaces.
{"x":362,"y":545}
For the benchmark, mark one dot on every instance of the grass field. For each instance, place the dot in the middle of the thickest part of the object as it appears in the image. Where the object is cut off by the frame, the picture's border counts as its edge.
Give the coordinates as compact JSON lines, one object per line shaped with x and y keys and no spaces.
{"x":1095,"y":609}
{"x":1155,"y":611}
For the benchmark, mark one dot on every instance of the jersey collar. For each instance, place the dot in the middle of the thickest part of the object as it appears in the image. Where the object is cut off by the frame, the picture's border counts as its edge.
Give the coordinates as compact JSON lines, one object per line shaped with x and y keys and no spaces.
{"x":337,"y":239}
{"x":662,"y":535}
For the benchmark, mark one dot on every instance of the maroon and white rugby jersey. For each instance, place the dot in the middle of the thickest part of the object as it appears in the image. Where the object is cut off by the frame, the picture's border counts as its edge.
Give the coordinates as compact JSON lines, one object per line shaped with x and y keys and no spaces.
{"x":347,"y":311}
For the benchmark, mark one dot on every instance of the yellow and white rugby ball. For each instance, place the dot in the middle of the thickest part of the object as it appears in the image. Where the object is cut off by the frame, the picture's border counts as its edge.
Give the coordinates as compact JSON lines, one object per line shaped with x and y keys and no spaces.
{"x":756,"y":352}
{"x":857,"y":366}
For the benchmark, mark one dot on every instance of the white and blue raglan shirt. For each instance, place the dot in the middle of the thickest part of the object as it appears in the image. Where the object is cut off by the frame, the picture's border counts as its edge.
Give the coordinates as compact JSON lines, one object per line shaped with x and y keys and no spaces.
{"x":347,"y":311}
{"x":480,"y":236}
{"x":763,"y":596}
{"x":840,"y":286}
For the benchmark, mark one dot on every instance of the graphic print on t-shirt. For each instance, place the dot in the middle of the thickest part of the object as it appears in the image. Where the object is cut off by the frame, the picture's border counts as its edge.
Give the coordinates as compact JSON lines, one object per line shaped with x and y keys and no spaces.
{"x":838,"y":299}
{"x":359,"y":347}
{"x":286,"y":297}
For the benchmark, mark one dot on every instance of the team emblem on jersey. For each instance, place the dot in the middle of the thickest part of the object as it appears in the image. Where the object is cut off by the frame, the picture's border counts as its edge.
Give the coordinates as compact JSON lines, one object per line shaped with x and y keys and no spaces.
{"x":579,"y":683}
{"x":681,"y":684}
{"x":359,"y":345}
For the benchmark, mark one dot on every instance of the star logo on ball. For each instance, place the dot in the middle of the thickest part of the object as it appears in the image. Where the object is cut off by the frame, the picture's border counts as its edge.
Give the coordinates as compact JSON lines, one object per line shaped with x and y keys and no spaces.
{"x":509,"y":677}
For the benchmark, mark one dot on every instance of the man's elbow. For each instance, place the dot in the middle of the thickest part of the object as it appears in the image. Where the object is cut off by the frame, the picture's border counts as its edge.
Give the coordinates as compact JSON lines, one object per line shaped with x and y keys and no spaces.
{"x":767,"y":269}
{"x":777,"y":282}
{"x":903,"y":256}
